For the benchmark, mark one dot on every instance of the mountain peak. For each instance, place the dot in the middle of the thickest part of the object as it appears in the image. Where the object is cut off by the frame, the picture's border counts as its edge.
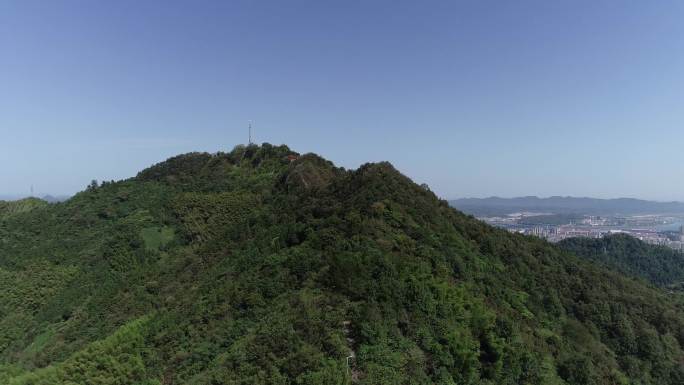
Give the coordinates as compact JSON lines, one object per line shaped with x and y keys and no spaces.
{"x":187,"y":167}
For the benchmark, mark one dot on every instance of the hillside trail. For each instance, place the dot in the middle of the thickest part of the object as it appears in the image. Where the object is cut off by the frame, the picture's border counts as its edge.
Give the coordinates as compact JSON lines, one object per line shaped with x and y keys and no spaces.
{"x":351,"y":359}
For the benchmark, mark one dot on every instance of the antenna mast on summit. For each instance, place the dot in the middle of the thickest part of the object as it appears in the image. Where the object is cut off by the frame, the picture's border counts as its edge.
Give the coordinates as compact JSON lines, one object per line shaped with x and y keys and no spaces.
{"x":250,"y":132}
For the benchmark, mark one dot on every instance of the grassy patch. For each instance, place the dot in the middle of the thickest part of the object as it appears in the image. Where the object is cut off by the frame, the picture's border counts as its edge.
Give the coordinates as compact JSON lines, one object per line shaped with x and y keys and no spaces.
{"x":156,"y":237}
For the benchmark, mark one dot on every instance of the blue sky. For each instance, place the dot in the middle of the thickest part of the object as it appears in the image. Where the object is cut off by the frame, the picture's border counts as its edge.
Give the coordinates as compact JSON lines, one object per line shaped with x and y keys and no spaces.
{"x":475,"y":98}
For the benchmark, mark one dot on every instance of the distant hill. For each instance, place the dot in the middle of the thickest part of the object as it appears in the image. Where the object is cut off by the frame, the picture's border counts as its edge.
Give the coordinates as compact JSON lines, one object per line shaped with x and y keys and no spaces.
{"x":263,"y":266}
{"x":659,"y":265}
{"x":55,"y":199}
{"x":48,"y":198}
{"x":565,"y":205}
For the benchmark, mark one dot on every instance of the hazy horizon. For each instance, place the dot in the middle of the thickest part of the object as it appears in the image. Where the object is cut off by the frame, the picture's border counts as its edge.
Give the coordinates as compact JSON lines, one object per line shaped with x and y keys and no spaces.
{"x":6,"y":196}
{"x":475,"y":99}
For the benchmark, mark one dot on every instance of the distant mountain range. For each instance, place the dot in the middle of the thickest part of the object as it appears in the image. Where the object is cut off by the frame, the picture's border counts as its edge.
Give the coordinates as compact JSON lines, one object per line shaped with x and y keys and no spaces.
{"x":55,"y":199}
{"x":565,"y":205}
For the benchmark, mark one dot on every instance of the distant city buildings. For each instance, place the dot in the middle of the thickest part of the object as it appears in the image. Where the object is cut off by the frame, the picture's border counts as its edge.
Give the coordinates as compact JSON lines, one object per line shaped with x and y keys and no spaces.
{"x":652,"y":229}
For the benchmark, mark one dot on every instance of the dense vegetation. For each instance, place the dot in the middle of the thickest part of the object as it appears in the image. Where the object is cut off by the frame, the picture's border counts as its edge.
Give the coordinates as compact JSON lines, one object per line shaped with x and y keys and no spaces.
{"x":660,"y":265}
{"x":250,"y":268}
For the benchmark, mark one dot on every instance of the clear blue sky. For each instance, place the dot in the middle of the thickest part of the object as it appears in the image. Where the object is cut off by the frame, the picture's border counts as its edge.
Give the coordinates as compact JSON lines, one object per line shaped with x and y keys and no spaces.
{"x":475,"y":98}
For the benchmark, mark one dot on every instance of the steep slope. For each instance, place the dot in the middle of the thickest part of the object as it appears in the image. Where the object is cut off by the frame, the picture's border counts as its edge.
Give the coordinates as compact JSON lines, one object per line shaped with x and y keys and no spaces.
{"x":260,"y":266}
{"x":659,"y":265}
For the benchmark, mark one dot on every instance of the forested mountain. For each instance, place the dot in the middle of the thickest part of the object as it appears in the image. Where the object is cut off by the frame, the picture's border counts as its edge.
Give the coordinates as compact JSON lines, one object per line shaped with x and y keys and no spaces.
{"x":660,"y":265}
{"x":565,"y":205}
{"x":260,"y":266}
